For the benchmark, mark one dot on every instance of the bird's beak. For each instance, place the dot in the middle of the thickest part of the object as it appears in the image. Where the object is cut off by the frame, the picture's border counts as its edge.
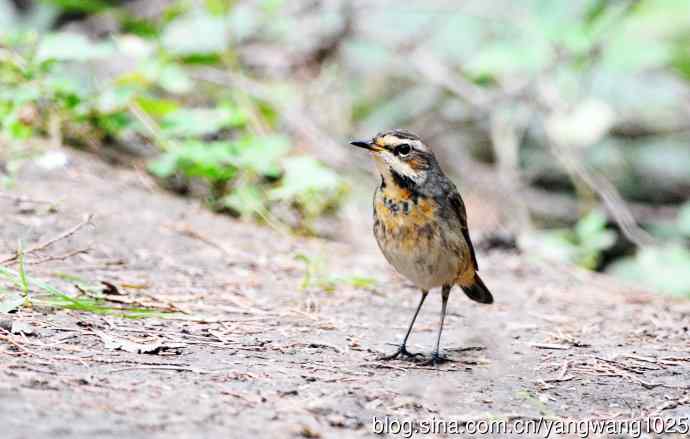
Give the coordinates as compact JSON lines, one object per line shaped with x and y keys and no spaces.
{"x":366,"y":145}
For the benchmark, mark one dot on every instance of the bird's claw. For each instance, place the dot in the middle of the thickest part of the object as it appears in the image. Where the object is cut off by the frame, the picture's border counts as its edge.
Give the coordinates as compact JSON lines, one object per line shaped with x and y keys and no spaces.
{"x":401,"y":353}
{"x":435,"y":360}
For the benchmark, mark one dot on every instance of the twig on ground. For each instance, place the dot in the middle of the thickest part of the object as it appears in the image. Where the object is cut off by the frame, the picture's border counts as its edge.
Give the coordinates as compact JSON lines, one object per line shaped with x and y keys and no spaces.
{"x":25,"y":199}
{"x":549,"y":346}
{"x":610,"y":368}
{"x":466,"y":349}
{"x":51,"y":358}
{"x":42,"y":246}
{"x":379,"y":365}
{"x":173,"y":368}
{"x":562,"y":376}
{"x":186,"y":230}
{"x":559,"y":379}
{"x":138,"y":363}
{"x":58,"y":257}
{"x":670,"y":405}
{"x":320,"y":345}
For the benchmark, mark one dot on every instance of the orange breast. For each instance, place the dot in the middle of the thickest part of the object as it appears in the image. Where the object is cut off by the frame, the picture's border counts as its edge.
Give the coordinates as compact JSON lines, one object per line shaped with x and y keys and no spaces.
{"x":403,"y":218}
{"x":418,"y":241}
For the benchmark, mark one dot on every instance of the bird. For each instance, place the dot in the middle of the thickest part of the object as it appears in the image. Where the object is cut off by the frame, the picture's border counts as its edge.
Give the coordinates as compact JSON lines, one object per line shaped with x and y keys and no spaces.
{"x":420,"y":225}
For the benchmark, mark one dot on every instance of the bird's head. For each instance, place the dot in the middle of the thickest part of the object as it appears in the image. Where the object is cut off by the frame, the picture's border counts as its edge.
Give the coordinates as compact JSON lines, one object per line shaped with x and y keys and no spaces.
{"x":400,"y":154}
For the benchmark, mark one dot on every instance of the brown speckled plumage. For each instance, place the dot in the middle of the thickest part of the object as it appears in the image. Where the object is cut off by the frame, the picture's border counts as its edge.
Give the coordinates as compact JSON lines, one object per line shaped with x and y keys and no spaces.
{"x":420,"y":223}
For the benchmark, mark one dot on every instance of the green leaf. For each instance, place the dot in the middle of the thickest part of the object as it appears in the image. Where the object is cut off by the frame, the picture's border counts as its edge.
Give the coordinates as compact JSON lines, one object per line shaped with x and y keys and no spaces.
{"x":15,"y":128}
{"x":212,"y":161}
{"x":115,"y":98}
{"x":590,"y":225}
{"x":245,"y":199}
{"x":582,"y":245}
{"x":117,"y":123}
{"x":310,"y":185}
{"x":601,"y":240}
{"x":175,"y":80}
{"x":219,"y":7}
{"x":198,"y":122}
{"x":89,"y":6}
{"x":157,"y":107}
{"x":65,"y":46}
{"x":302,"y":175}
{"x":170,"y":76}
{"x":164,"y":166}
{"x":261,"y":154}
{"x":195,"y":33}
{"x":65,"y":83}
{"x":139,"y":26}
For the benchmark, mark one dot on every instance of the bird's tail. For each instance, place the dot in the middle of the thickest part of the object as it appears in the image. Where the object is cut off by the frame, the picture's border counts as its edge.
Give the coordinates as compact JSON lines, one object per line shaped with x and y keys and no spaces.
{"x":478,"y":291}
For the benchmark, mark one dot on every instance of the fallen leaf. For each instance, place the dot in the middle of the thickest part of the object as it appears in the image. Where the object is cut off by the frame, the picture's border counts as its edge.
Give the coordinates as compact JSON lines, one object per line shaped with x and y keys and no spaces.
{"x":10,"y":302}
{"x":115,"y":343}
{"x":22,"y":327}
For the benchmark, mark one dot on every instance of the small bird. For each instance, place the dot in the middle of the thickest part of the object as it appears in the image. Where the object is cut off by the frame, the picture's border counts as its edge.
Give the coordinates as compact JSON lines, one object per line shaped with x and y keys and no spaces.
{"x":420,"y":225}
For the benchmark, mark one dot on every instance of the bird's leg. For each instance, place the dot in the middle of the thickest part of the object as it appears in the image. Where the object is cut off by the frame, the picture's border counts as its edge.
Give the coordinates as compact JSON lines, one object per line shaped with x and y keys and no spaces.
{"x":436,"y":357}
{"x":402,"y":350}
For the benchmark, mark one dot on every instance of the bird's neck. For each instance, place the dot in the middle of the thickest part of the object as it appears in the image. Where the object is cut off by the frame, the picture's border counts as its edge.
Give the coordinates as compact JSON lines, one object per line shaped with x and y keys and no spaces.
{"x":394,"y":185}
{"x":395,"y":178}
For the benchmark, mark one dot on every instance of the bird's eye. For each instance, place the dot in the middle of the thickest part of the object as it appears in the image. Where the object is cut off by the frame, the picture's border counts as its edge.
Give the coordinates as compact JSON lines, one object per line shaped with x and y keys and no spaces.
{"x":402,"y":150}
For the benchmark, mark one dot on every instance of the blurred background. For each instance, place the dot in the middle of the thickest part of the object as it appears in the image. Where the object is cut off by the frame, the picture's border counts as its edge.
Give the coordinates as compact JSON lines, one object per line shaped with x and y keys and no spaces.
{"x":565,"y":124}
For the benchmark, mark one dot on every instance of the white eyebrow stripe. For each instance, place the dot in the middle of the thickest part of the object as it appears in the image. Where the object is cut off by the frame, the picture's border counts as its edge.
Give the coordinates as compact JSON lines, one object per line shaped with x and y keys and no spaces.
{"x":392,"y":140}
{"x":420,"y":146}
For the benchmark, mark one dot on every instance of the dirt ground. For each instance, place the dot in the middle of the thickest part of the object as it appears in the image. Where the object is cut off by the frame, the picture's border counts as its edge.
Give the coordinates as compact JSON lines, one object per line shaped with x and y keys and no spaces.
{"x":253,"y":354}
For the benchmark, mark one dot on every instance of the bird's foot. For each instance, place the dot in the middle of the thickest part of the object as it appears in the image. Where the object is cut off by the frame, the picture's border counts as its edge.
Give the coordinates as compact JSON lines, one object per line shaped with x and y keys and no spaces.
{"x":401,"y":353}
{"x":435,"y":360}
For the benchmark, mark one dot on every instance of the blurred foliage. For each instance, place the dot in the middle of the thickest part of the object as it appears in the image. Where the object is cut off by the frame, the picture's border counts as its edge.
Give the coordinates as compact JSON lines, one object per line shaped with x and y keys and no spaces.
{"x":664,"y":268}
{"x":581,"y":245}
{"x":667,"y":267}
{"x":525,"y":85}
{"x":53,"y":85}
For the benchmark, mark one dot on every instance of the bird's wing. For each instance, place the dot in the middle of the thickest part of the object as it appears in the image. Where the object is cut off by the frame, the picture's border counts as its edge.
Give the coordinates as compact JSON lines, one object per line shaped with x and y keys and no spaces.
{"x":459,"y":208}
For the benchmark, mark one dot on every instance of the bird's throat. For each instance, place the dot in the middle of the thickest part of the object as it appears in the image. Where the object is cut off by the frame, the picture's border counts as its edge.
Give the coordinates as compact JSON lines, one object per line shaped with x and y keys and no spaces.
{"x":392,"y":178}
